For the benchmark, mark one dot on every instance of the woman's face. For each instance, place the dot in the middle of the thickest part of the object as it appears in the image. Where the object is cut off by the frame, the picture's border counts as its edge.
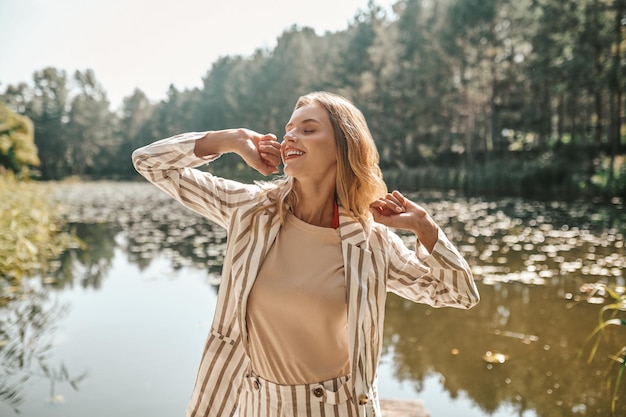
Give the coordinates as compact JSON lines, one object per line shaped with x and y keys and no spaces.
{"x":308,"y":150}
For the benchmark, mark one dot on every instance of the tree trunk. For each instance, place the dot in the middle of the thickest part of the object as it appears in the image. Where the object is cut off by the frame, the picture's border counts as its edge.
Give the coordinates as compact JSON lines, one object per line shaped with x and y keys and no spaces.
{"x":616,"y":94}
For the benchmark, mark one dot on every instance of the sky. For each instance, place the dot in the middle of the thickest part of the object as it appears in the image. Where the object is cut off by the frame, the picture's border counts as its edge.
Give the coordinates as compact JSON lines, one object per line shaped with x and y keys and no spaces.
{"x":150,"y":44}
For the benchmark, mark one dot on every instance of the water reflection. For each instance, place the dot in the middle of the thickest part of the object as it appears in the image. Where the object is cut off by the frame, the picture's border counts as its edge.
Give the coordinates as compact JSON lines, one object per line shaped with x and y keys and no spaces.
{"x":531,"y":325}
{"x":531,"y":259}
{"x":27,"y":325}
{"x":88,"y":264}
{"x":145,"y":222}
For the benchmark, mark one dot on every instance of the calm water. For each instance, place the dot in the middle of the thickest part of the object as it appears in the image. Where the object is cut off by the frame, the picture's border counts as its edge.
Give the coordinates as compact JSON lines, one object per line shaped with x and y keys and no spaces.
{"x":119,"y":327}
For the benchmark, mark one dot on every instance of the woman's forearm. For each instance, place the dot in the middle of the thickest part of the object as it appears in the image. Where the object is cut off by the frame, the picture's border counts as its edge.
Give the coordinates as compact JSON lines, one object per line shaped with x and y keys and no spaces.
{"x":261,"y":152}
{"x":426,"y":231}
{"x":219,"y":141}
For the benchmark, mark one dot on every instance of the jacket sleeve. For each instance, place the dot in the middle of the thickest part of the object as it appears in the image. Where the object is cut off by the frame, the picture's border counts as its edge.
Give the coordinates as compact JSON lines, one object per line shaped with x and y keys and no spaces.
{"x":170,"y":165}
{"x":440,"y":279}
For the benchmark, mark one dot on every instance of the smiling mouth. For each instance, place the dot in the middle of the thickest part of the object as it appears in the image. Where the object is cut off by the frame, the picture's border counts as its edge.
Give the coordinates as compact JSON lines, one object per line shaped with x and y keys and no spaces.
{"x":293,"y":153}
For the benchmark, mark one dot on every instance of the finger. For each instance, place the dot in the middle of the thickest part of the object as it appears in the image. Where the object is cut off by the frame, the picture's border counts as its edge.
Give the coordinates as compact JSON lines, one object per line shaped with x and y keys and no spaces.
{"x":386,"y":202}
{"x":383,"y":208}
{"x":270,"y":147}
{"x":396,"y":198}
{"x":393,"y":204}
{"x":268,"y":137}
{"x":378,"y":204}
{"x":399,"y":197}
{"x":380,"y":217}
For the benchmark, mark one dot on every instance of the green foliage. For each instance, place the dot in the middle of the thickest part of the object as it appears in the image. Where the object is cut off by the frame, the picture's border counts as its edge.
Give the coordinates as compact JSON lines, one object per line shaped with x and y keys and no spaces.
{"x":440,"y":82}
{"x":90,"y":126}
{"x":610,"y":175}
{"x":31,"y":237}
{"x":17,"y":145}
{"x":133,"y":131}
{"x":545,"y":175}
{"x":73,"y":123}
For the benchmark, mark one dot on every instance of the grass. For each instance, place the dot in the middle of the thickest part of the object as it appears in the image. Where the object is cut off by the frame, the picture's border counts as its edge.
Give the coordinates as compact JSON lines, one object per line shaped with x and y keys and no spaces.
{"x":608,"y":318}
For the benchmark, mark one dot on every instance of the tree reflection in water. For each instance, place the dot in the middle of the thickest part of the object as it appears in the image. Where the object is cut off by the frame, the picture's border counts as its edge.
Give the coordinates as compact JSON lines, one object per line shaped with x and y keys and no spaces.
{"x":89,"y":264}
{"x":530,"y":259}
{"x":532,"y":325}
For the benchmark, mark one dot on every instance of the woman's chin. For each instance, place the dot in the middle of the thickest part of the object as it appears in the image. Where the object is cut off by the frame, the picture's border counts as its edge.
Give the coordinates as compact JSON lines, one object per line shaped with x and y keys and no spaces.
{"x":287,"y":170}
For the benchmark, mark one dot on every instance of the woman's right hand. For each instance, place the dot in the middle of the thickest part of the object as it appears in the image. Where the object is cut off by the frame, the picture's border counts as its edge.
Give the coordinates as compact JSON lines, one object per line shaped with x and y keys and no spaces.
{"x":261,"y":152}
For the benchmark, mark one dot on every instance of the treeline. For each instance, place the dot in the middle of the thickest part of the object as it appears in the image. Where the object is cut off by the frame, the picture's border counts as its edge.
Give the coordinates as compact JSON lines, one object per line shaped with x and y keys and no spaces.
{"x":500,"y":96}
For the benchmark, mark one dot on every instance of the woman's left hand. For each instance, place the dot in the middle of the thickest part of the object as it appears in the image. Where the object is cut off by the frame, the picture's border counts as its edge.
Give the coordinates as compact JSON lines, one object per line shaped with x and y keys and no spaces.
{"x":394,"y":210}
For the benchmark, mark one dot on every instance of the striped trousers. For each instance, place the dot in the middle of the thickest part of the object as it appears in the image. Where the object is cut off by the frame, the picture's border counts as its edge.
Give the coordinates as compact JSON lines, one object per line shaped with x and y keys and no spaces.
{"x":261,"y":398}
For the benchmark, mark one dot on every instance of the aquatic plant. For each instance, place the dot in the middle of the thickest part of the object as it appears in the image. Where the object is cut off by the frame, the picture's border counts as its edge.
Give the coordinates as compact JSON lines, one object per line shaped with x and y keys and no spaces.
{"x":27,"y":327}
{"x":608,"y":317}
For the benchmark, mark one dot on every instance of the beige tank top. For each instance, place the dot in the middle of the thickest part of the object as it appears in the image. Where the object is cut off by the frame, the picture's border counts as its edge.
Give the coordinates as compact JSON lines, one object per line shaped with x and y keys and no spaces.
{"x":297,"y":312}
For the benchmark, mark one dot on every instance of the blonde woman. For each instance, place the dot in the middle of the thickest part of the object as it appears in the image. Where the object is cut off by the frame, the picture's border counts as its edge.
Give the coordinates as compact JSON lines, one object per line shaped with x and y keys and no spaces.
{"x":310,"y":257}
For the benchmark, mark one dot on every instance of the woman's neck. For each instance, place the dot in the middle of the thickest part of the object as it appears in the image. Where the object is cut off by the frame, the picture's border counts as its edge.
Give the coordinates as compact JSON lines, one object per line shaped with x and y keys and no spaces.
{"x":315,"y":204}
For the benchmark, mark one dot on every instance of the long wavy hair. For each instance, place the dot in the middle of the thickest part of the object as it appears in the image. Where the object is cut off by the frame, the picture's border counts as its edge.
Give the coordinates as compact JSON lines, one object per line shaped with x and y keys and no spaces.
{"x":359,"y":178}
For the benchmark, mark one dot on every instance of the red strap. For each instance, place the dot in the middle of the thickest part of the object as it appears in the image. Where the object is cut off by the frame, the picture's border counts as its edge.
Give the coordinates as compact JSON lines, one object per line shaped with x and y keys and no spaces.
{"x":335,"y":222}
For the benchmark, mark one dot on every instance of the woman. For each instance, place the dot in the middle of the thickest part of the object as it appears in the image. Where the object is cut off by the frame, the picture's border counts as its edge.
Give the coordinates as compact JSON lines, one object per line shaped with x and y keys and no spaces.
{"x":298,"y":325}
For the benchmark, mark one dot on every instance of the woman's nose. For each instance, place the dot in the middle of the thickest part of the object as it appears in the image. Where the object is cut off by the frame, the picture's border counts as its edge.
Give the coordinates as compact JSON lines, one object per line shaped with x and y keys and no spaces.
{"x":289,"y":137}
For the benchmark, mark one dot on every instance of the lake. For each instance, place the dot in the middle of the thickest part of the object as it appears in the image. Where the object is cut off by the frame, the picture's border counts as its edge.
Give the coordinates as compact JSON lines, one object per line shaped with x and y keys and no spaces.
{"x":118,"y":327}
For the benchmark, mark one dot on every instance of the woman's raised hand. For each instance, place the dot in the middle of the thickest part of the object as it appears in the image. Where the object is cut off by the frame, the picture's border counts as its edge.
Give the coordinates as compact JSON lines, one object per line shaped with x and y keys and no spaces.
{"x":394,"y":210}
{"x":261,"y":152}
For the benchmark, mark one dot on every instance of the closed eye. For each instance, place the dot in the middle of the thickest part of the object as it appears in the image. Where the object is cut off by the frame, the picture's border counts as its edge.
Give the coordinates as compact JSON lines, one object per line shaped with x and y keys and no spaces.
{"x":302,"y":123}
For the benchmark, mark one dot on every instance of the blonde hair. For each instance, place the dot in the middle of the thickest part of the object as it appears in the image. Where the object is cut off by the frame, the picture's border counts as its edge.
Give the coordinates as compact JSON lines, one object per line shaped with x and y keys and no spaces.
{"x":359,"y":178}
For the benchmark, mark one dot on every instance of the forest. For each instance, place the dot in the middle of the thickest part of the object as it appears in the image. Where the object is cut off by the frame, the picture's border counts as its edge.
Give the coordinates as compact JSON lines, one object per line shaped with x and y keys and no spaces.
{"x":490,"y":97}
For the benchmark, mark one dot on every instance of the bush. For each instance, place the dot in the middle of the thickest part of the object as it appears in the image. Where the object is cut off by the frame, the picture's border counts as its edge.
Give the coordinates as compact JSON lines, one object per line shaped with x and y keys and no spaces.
{"x":31,"y":227}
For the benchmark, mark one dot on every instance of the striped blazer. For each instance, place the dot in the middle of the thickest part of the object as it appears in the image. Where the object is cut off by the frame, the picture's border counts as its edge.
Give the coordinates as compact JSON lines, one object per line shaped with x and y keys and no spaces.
{"x":375,"y":261}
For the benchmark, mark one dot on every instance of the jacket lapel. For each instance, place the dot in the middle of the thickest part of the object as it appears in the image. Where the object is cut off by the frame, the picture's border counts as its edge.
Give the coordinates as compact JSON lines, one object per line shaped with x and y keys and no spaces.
{"x":262,"y":236}
{"x":358,"y":266}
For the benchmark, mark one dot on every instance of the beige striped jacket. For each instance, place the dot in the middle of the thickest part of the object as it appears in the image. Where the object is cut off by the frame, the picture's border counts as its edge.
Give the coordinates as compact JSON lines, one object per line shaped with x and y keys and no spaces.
{"x":375,"y":261}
